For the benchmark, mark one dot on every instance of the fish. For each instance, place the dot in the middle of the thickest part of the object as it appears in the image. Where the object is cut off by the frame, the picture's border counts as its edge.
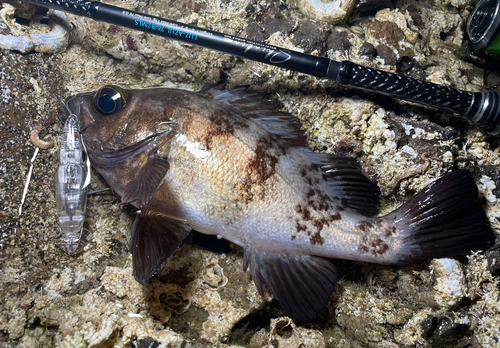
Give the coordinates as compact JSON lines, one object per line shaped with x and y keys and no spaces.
{"x":228,"y":163}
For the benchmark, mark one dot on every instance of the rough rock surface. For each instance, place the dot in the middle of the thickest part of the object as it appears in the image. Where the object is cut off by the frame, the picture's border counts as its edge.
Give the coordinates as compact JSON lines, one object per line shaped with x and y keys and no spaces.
{"x":200,"y":299}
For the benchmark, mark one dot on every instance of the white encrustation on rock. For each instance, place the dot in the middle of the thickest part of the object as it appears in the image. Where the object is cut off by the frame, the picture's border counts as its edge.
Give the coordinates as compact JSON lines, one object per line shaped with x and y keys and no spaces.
{"x":335,"y":11}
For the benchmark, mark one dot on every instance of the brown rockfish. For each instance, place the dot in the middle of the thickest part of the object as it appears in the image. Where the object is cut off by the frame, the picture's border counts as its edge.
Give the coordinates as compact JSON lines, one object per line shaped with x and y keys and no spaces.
{"x":227,"y":163}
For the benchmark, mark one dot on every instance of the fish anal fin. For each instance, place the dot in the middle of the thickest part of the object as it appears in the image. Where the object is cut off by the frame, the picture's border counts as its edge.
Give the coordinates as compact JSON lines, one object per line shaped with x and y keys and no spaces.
{"x":302,"y":284}
{"x":154,"y":238}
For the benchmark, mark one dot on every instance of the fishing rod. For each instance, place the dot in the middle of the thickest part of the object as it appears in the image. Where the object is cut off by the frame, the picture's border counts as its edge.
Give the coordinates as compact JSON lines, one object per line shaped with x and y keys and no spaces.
{"x":481,"y":108}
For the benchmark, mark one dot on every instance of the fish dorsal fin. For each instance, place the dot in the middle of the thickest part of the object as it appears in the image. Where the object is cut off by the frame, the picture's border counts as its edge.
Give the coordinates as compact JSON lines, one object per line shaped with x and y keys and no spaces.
{"x":261,"y":111}
{"x":154,"y":238}
{"x":302,"y":284}
{"x":344,"y":177}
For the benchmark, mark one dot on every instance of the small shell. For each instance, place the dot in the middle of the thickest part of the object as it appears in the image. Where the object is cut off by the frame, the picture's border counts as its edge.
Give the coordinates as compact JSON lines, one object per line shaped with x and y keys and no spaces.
{"x":214,"y":276}
{"x":356,"y":29}
{"x":284,"y":333}
{"x":41,"y":143}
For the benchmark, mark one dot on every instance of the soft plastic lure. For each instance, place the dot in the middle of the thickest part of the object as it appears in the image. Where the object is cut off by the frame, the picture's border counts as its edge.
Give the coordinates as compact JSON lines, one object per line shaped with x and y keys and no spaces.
{"x":71,"y":184}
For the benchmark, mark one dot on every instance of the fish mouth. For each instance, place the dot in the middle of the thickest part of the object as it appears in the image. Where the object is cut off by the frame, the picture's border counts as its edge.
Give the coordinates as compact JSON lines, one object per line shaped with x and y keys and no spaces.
{"x":73,"y":105}
{"x":65,"y":110}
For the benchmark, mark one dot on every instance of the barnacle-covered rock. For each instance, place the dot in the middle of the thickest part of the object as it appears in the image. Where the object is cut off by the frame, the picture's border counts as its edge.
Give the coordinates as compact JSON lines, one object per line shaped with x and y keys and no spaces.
{"x":285,"y":334}
{"x":450,"y":281}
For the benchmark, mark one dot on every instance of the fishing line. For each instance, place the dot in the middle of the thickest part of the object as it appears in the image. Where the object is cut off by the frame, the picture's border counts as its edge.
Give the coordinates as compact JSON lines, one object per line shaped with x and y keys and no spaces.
{"x":481,"y":108}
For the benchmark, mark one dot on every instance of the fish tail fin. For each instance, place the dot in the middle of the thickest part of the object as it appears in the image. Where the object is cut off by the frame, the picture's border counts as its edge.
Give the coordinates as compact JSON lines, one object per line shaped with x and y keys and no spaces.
{"x":444,"y":219}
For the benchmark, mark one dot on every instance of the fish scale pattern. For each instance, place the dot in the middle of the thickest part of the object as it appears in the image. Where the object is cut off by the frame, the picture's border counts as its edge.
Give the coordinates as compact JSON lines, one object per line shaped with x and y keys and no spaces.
{"x":417,"y":91}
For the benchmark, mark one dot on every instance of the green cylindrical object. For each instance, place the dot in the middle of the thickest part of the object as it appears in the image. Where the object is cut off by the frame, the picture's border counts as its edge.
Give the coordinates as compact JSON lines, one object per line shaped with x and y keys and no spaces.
{"x":494,"y":46}
{"x":483,"y":27}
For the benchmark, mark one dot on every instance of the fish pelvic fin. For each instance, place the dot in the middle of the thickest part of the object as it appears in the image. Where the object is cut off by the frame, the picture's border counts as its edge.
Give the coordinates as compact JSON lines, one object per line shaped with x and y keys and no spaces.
{"x":154,"y":238}
{"x":302,"y":284}
{"x":444,"y":219}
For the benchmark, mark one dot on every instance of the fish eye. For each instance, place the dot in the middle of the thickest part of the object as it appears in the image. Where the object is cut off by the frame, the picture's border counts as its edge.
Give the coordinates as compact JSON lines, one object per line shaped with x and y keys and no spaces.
{"x":110,"y":99}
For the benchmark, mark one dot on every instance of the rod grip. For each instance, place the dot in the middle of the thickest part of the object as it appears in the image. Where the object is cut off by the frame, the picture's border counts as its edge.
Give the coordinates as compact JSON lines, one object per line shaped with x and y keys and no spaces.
{"x":394,"y":85}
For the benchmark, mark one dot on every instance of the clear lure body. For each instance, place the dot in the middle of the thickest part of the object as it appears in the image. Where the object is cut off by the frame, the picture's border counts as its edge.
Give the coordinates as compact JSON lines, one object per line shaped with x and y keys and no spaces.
{"x":71,"y":185}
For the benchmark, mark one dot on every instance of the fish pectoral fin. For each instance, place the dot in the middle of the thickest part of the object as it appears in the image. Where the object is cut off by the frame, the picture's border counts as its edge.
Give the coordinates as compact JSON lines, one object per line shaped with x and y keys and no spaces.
{"x":140,"y":190}
{"x":154,"y":238}
{"x":302,"y":284}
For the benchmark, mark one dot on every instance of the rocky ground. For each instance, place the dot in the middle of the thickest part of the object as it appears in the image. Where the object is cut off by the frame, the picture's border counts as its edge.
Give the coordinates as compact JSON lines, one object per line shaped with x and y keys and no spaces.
{"x":199,"y":298}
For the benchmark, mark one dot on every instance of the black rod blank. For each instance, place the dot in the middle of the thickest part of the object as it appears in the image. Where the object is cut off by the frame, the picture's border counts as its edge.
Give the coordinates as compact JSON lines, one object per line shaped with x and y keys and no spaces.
{"x":481,"y":108}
